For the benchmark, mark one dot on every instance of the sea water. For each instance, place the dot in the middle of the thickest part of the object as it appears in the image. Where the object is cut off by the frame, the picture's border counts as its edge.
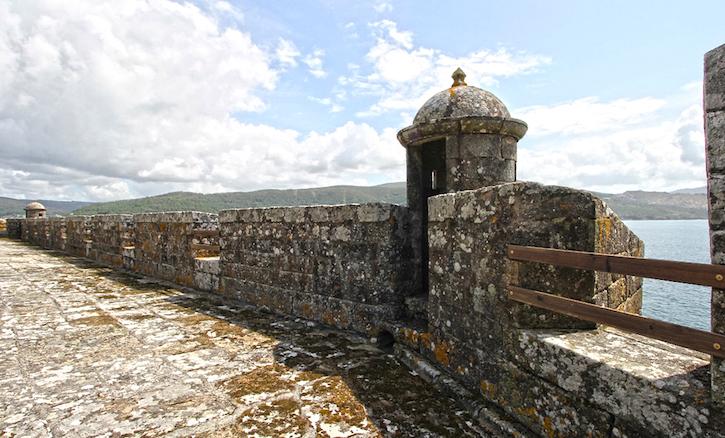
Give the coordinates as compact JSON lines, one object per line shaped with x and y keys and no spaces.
{"x":683,"y":240}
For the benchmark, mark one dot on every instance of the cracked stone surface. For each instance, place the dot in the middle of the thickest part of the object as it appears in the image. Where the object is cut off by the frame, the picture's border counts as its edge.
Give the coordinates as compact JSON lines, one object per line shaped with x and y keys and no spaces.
{"x":88,"y":351}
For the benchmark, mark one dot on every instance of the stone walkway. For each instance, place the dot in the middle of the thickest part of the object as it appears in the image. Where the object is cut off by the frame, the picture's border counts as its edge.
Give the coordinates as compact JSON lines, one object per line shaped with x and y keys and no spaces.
{"x":87,"y":351}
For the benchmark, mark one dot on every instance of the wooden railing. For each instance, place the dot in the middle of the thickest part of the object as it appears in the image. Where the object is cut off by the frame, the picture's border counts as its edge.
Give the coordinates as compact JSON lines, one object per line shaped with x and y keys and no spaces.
{"x":682,"y":272}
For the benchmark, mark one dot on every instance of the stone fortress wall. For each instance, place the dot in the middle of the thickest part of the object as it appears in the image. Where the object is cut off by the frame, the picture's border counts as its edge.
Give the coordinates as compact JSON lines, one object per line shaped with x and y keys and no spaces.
{"x":430,"y":280}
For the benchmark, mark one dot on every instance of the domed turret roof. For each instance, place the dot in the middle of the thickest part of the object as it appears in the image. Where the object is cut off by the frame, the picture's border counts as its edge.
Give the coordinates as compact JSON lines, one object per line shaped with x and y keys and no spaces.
{"x":461,"y":100}
{"x":35,"y":206}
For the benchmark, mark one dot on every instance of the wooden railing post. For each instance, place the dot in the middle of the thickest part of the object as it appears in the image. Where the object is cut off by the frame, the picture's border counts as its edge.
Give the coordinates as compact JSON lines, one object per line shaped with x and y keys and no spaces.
{"x":712,"y":343}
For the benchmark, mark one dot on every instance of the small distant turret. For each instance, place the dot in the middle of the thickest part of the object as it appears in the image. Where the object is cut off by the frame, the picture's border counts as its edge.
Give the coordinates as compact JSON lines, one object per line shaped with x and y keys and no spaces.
{"x":34,"y":210}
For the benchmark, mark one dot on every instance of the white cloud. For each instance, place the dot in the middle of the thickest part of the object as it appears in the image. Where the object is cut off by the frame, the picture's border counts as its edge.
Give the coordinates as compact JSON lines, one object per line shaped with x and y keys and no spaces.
{"x":314,"y":63}
{"x":402,"y":76}
{"x":108,"y":100}
{"x":382,"y":6}
{"x":587,"y":114}
{"x":334,"y":107}
{"x":351,"y":30}
{"x":287,"y":53}
{"x":613,"y":146}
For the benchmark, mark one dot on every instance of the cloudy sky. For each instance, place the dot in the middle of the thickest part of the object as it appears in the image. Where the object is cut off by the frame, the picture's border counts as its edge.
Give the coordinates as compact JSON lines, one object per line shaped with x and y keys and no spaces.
{"x":103,"y":100}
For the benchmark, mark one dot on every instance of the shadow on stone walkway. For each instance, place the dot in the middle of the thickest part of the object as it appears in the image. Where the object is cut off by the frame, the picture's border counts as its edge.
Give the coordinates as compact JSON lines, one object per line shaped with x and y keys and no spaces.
{"x":91,"y":352}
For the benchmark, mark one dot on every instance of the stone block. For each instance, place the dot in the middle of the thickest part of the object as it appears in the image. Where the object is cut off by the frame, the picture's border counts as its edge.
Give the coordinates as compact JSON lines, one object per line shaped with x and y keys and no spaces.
{"x":319,"y":213}
{"x":655,"y":389}
{"x":374,"y":212}
{"x":714,"y":85}
{"x":480,"y":146}
{"x":715,"y":144}
{"x":226,"y":216}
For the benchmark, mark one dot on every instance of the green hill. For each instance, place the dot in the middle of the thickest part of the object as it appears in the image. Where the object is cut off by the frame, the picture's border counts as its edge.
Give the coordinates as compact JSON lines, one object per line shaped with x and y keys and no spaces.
{"x":681,"y":204}
{"x":10,"y":207}
{"x":685,"y":204}
{"x":213,"y":202}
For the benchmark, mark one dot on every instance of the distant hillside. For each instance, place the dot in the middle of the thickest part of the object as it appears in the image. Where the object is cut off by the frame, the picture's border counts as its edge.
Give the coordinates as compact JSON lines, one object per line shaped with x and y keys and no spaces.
{"x":693,"y":191}
{"x":10,"y":207}
{"x":658,"y":205}
{"x":392,"y":193}
{"x":680,"y":204}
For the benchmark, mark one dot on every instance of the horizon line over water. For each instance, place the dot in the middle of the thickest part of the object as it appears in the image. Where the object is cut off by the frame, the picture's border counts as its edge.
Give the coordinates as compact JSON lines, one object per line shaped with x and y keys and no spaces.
{"x":682,"y":240}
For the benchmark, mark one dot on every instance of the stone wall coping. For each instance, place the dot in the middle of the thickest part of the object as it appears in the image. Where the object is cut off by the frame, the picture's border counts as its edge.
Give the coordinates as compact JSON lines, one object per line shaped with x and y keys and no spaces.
{"x":369,"y":212}
{"x":443,"y":206}
{"x":176,"y":216}
{"x":638,"y":379}
{"x":78,"y":218}
{"x":423,"y":132}
{"x":112,"y":217}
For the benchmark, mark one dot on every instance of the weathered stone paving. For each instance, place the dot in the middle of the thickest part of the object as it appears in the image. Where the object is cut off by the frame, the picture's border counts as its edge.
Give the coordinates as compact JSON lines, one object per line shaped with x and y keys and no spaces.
{"x":88,"y":351}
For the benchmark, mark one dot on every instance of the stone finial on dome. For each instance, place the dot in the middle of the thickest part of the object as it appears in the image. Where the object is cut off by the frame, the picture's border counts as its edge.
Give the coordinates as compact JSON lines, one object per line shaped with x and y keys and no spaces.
{"x":459,"y":78}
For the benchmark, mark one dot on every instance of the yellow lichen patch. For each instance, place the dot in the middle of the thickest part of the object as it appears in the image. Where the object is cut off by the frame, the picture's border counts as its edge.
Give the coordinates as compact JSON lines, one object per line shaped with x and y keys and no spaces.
{"x":94,"y":321}
{"x":425,"y":340}
{"x":185,"y":279}
{"x":335,"y":320}
{"x":254,"y":339}
{"x":549,"y":427}
{"x":488,"y":389}
{"x":336,"y":404}
{"x":307,"y":311}
{"x":195,"y":343}
{"x":264,"y":380}
{"x":278,"y":418}
{"x":411,"y":336}
{"x":129,"y":292}
{"x":228,"y":330}
{"x":545,"y":422}
{"x":442,"y":351}
{"x":139,"y":317}
{"x":604,"y":228}
{"x":567,"y":206}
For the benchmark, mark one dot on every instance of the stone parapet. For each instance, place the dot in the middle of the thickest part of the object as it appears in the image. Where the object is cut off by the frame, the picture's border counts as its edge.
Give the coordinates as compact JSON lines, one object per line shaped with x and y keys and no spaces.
{"x":35,"y":231}
{"x":642,"y":385}
{"x":78,"y":230}
{"x":347,"y":266}
{"x":112,"y":236}
{"x":163,"y":244}
{"x":56,"y":233}
{"x":14,"y":227}
{"x":473,"y":326}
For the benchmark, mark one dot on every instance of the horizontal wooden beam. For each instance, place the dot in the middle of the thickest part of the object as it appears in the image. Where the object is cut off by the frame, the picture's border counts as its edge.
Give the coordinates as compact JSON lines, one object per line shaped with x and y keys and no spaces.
{"x":682,"y":272}
{"x":205,"y":233}
{"x":204,"y":247}
{"x":694,"y":339}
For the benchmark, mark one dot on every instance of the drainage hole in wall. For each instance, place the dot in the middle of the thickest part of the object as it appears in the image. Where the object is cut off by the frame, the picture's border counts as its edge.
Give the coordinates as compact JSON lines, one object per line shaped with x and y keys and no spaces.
{"x":385,"y":341}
